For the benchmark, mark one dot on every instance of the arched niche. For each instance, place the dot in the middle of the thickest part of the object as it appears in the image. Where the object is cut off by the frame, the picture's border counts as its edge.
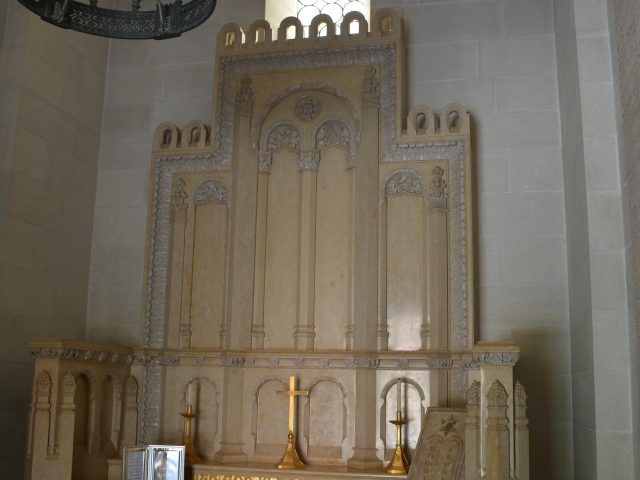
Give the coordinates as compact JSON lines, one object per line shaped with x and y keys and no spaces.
{"x":270,"y":409}
{"x":206,"y":405}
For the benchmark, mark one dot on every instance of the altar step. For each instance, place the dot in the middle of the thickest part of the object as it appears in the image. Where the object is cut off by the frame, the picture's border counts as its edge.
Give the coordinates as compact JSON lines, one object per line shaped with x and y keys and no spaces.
{"x":262,"y":471}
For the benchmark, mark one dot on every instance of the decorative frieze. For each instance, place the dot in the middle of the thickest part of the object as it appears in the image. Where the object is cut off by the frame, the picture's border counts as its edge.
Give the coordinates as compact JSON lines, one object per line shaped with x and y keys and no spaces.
{"x":281,"y":136}
{"x":211,"y":191}
{"x":496,"y":358}
{"x":404,"y":181}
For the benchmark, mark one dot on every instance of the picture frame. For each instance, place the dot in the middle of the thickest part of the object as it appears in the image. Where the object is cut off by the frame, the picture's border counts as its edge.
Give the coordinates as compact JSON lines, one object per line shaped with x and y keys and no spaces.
{"x":153,"y":462}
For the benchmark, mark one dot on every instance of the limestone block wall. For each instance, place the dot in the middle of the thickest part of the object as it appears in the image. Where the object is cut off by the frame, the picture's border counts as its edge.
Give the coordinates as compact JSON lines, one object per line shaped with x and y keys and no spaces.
{"x":51,"y":93}
{"x":499,"y":59}
{"x":595,"y":244}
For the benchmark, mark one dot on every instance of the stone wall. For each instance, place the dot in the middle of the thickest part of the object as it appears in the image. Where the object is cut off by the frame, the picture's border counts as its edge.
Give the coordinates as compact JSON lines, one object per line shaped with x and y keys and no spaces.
{"x":625,"y":43}
{"x":51,"y":94}
{"x":595,"y":244}
{"x":496,"y":58}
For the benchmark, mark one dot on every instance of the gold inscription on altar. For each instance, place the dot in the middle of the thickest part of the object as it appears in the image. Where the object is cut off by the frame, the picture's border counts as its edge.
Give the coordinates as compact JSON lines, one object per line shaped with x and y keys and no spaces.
{"x":223,"y":476}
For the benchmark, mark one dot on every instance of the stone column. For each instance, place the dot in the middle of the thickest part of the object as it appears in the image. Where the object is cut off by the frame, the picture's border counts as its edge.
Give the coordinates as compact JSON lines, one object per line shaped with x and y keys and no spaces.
{"x":257,"y":327}
{"x":497,"y":433}
{"x":66,"y":426}
{"x":241,"y":274}
{"x":472,"y":433}
{"x":304,"y":333}
{"x":521,"y":433}
{"x":39,"y":434}
{"x":130,"y":412}
{"x":365,"y":323}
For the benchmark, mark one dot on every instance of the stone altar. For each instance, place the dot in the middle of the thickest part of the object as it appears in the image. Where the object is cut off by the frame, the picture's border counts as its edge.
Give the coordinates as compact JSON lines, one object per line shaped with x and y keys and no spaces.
{"x":316,"y":229}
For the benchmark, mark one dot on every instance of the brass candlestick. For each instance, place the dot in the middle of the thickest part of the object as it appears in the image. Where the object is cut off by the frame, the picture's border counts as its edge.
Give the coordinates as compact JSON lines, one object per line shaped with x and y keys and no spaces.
{"x":399,"y":463}
{"x":190,"y":453}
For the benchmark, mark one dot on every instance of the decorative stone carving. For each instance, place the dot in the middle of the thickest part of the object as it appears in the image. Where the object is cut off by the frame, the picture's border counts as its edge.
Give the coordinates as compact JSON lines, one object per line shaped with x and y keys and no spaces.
{"x":404,"y":181}
{"x":370,"y":86}
{"x":496,"y":358}
{"x":43,"y":384}
{"x":210,"y":191}
{"x":179,"y":201}
{"x":519,"y":395}
{"x":265,"y":160}
{"x":438,"y":196}
{"x":245,"y":97}
{"x":308,"y":160}
{"x":307,"y":108}
{"x":497,"y":395}
{"x":333,"y":132}
{"x":362,"y":362}
{"x":473,"y":394}
{"x":283,"y":136}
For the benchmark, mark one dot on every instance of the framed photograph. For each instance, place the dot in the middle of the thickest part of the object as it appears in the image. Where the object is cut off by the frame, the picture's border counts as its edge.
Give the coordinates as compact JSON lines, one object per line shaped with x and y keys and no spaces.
{"x":153,"y":462}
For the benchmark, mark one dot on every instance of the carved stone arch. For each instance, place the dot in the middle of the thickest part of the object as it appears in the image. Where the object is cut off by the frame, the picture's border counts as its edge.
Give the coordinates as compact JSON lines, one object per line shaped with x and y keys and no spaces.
{"x":403,"y":181}
{"x":454,"y":119}
{"x":383,"y":405}
{"x":281,"y":135}
{"x":284,"y":26}
{"x":315,"y":26}
{"x":230,"y":36}
{"x":386,"y":22}
{"x":281,"y":95}
{"x":166,"y":137}
{"x":195,"y":134}
{"x":259,"y":28}
{"x":335,"y":132}
{"x":199,"y":377}
{"x":414,"y":122}
{"x":473,"y":394}
{"x":131,"y":386}
{"x":207,"y":404}
{"x":90,"y":406}
{"x":255,"y":409}
{"x":254,"y":398}
{"x":348,"y":19}
{"x":209,"y":191}
{"x":115,"y":405}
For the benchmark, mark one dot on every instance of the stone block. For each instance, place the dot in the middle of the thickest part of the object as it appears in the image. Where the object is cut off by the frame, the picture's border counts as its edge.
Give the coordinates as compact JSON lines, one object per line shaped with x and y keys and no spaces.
{"x":122,"y":188}
{"x":535,"y":169}
{"x":187,"y":81}
{"x":532,"y":92}
{"x":610,"y":331}
{"x":594,"y":59}
{"x":608,"y":279}
{"x":535,"y":260}
{"x":598,"y":109}
{"x":615,"y":454}
{"x":122,"y":153}
{"x":518,"y":130}
{"x":493,"y":171}
{"x":528,"y":17}
{"x":601,"y":168}
{"x":443,"y":61}
{"x":476,"y":94}
{"x":591,"y":17}
{"x":126,"y":120}
{"x":119,"y":226}
{"x":518,"y":56}
{"x":455,"y":20}
{"x":133,"y":86}
{"x":606,"y":230}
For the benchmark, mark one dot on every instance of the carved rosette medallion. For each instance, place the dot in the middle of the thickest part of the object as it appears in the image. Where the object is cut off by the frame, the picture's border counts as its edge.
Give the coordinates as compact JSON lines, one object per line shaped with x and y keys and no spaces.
{"x":283,"y":136}
{"x":307,"y":108}
{"x":211,"y":191}
{"x":308,"y":160}
{"x":438,"y":195}
{"x":404,"y":181}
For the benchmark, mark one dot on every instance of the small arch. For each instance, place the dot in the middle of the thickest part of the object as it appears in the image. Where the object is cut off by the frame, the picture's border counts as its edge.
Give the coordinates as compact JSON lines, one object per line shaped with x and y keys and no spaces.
{"x":316,"y":27}
{"x":259,"y":33}
{"x":454,"y":119}
{"x":230,"y":36}
{"x":196,"y":134}
{"x":387,"y":22}
{"x":166,"y":137}
{"x":211,"y":191}
{"x":420,"y":121}
{"x":354,"y":24}
{"x":285,"y":31}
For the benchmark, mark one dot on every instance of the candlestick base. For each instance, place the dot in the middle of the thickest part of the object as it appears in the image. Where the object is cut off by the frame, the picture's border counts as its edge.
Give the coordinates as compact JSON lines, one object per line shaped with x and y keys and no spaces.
{"x":399,"y":465}
{"x":290,"y":460}
{"x":191,"y":456}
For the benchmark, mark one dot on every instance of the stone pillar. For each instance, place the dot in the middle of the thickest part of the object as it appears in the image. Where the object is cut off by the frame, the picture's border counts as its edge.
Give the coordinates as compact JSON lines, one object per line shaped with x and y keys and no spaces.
{"x":365,"y":323}
{"x":257,"y":326}
{"x":41,"y":423}
{"x":435,"y":333}
{"x":497,"y":433}
{"x":472,"y":433}
{"x":66,"y":426}
{"x":241,"y":274}
{"x":130,"y":412}
{"x":521,"y":433}
{"x":304,"y":333}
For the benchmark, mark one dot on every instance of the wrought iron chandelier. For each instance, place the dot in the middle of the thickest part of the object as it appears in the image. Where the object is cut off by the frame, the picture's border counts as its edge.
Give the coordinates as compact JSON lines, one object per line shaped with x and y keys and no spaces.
{"x":165,"y":21}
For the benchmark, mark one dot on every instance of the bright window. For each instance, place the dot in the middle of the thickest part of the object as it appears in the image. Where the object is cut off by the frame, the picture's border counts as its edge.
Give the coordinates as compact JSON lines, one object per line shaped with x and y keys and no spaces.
{"x":305,"y":10}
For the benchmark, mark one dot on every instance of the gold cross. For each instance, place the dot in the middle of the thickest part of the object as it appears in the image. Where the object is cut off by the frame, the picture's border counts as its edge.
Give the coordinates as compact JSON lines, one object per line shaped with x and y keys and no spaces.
{"x":292,"y":392}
